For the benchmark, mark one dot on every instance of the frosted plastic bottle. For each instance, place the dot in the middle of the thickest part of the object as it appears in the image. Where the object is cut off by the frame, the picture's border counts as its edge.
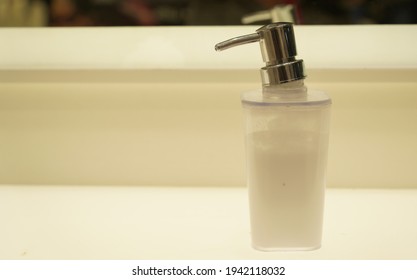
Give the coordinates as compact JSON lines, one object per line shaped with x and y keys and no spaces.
{"x":287,"y":132}
{"x":287,"y":129}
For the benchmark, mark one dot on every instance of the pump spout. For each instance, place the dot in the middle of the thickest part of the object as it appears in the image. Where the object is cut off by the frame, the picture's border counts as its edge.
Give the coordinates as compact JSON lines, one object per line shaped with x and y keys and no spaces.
{"x":237,"y":41}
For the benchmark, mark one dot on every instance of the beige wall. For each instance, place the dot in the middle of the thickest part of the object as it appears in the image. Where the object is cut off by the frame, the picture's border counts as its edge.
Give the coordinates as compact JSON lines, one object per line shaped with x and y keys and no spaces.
{"x":184,"y":127}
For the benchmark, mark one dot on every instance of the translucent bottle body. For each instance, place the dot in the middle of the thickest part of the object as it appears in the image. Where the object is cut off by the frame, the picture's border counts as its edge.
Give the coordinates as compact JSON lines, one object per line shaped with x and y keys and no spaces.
{"x":287,"y":132}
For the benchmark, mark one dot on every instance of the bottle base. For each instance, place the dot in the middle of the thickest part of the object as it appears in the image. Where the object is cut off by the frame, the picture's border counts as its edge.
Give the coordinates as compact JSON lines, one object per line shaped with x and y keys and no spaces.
{"x":285,"y":249}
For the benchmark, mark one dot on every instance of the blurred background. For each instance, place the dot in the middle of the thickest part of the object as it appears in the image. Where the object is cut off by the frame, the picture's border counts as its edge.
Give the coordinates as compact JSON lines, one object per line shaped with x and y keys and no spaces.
{"x":15,"y":13}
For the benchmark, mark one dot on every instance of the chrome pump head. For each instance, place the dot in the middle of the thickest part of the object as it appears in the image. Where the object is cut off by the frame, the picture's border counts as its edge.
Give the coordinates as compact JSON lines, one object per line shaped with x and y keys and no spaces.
{"x":278,"y":49}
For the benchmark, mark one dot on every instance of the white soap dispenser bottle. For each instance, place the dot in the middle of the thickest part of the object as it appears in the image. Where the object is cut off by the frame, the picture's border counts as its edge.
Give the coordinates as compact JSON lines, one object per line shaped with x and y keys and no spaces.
{"x":287,"y":132}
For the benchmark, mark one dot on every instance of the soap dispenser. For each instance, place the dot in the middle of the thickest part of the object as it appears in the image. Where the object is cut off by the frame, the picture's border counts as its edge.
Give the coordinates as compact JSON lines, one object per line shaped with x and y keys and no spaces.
{"x":286,"y":137}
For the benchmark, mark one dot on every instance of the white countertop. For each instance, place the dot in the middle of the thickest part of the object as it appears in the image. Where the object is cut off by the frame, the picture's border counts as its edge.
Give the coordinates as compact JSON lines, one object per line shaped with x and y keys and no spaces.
{"x":97,"y":222}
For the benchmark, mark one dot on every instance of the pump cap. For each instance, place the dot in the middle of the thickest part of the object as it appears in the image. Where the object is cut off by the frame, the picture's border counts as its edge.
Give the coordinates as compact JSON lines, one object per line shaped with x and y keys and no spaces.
{"x":278,"y":49}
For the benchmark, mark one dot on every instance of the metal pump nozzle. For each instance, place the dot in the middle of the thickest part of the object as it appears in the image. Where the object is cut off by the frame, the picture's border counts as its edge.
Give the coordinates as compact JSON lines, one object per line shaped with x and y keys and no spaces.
{"x":278,"y":49}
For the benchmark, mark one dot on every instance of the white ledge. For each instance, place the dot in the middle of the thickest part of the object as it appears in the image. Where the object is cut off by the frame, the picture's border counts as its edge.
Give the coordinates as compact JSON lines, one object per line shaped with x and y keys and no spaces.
{"x":322,"y":47}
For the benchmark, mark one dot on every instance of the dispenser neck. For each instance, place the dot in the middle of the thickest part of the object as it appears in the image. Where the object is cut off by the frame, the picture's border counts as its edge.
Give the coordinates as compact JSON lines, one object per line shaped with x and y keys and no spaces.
{"x":294,"y":86}
{"x":287,"y":91}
